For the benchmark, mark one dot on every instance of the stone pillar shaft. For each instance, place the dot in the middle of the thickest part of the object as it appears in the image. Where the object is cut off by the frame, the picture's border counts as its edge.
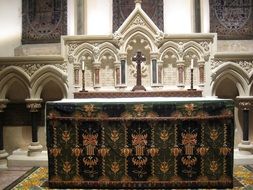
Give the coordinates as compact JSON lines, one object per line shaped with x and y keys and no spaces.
{"x":3,"y":153}
{"x":245,"y":104}
{"x":34,"y":105}
{"x":245,"y":125}
{"x":1,"y":131}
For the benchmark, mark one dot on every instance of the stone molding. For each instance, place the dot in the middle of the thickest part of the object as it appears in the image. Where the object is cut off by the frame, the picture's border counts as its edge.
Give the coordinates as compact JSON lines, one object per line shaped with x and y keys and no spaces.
{"x":243,"y":60}
{"x":33,"y":63}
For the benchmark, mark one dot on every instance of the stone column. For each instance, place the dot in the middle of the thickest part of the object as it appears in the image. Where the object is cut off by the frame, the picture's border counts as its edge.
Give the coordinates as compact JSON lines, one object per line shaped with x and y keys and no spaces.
{"x":117,"y":74}
{"x":3,"y":153}
{"x":96,"y":68}
{"x":201,"y":65}
{"x":180,"y":67}
{"x":245,"y":104}
{"x":35,"y":147}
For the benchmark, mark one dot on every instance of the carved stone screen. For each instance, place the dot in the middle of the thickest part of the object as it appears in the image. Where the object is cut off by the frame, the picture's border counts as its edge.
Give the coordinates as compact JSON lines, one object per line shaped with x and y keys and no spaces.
{"x":43,"y":21}
{"x":232,"y":19}
{"x":122,"y":9}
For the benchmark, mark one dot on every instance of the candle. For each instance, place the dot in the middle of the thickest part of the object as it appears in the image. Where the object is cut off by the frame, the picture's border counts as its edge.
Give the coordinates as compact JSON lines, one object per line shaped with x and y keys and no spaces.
{"x":82,"y":65}
{"x":191,"y":63}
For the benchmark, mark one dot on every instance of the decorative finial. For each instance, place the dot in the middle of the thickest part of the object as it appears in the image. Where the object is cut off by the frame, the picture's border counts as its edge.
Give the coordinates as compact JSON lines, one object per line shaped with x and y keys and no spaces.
{"x":138,"y":3}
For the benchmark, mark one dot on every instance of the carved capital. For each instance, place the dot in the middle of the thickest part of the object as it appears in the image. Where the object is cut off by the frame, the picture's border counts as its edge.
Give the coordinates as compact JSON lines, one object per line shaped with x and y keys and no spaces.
{"x":245,"y":103}
{"x":3,"y":104}
{"x":33,"y":104}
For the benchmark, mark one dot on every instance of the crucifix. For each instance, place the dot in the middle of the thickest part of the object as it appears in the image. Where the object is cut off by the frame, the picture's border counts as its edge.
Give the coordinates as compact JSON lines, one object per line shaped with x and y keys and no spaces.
{"x":139,"y":58}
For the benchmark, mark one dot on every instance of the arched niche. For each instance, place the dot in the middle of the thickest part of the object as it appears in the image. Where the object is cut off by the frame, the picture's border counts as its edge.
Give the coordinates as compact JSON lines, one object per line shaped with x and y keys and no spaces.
{"x":227,"y":89}
{"x":17,"y":92}
{"x":51,"y":91}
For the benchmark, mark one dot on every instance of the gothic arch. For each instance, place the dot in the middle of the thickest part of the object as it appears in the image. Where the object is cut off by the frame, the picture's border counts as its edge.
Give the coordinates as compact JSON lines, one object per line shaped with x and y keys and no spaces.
{"x":169,"y":47}
{"x":108,"y":48}
{"x":10,"y":75}
{"x":136,"y":32}
{"x":82,"y":48}
{"x":45,"y":75}
{"x":194,"y":46}
{"x":230,"y":66}
{"x":234,"y":76}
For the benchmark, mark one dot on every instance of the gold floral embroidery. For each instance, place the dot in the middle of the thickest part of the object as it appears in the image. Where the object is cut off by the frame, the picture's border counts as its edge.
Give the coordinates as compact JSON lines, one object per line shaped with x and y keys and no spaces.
{"x":139,"y":141}
{"x":189,"y":109}
{"x":189,"y":161}
{"x":90,"y":142}
{"x":114,"y":135}
{"x":89,"y":109}
{"x":139,"y":108}
{"x":55,"y":151}
{"x":115,"y":167}
{"x":90,"y":161}
{"x":164,"y":167}
{"x":213,"y":166}
{"x":67,"y":167}
{"x":77,"y":151}
{"x":164,"y":135}
{"x":139,"y":162}
{"x":66,"y":136}
{"x":214,"y":134}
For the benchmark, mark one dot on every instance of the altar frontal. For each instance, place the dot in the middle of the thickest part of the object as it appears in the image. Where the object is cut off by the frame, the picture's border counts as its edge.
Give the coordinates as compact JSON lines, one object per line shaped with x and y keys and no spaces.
{"x":140,"y":143}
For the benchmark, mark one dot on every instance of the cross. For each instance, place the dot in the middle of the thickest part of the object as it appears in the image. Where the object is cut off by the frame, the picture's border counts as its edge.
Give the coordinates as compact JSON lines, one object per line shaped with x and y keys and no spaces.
{"x":139,"y":58}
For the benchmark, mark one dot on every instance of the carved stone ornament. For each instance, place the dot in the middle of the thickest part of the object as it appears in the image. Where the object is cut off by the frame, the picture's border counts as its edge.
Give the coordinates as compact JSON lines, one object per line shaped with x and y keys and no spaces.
{"x":33,"y":106}
{"x":159,"y":37}
{"x":245,"y":105}
{"x":138,"y":21}
{"x":246,"y":65}
{"x":31,"y":68}
{"x":3,"y":105}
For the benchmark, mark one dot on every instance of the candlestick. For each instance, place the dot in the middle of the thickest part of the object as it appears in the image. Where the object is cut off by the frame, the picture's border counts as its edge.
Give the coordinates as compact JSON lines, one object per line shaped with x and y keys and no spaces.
{"x":191,"y":88}
{"x":191,"y":63}
{"x":82,"y":65}
{"x":191,"y":78}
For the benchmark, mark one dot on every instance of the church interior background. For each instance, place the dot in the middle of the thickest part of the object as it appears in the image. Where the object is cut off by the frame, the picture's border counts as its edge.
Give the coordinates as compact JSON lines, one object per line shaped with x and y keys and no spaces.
{"x":47,"y":46}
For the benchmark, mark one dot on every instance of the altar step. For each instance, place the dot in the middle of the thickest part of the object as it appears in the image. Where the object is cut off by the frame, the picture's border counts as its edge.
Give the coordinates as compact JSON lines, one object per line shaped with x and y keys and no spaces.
{"x":242,"y":159}
{"x":20,"y":158}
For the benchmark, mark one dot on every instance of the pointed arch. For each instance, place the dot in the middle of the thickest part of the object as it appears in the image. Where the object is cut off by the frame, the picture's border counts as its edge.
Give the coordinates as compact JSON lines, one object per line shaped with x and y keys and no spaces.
{"x":83,"y":47}
{"x":141,"y":32}
{"x":45,"y":75}
{"x":108,"y":48}
{"x":10,"y":75}
{"x":169,"y":47}
{"x":232,"y":72}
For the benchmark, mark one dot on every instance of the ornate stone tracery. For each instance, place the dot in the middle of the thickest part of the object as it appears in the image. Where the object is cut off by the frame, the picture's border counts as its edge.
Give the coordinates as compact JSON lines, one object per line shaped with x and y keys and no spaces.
{"x":169,"y":68}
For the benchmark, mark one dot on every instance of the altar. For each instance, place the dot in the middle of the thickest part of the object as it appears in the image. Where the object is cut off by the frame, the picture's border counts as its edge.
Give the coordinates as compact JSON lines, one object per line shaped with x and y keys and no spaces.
{"x":140,"y":143}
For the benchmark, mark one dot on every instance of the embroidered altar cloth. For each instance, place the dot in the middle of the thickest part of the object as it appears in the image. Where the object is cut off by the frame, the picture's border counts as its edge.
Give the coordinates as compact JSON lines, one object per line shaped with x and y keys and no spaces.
{"x":140,"y":143}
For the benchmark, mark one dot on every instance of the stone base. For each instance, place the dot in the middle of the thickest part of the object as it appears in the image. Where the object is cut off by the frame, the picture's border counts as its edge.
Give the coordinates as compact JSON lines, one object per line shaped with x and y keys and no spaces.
{"x":242,"y":159}
{"x":245,"y":148}
{"x":3,"y":159}
{"x":20,"y":158}
{"x":34,"y":149}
